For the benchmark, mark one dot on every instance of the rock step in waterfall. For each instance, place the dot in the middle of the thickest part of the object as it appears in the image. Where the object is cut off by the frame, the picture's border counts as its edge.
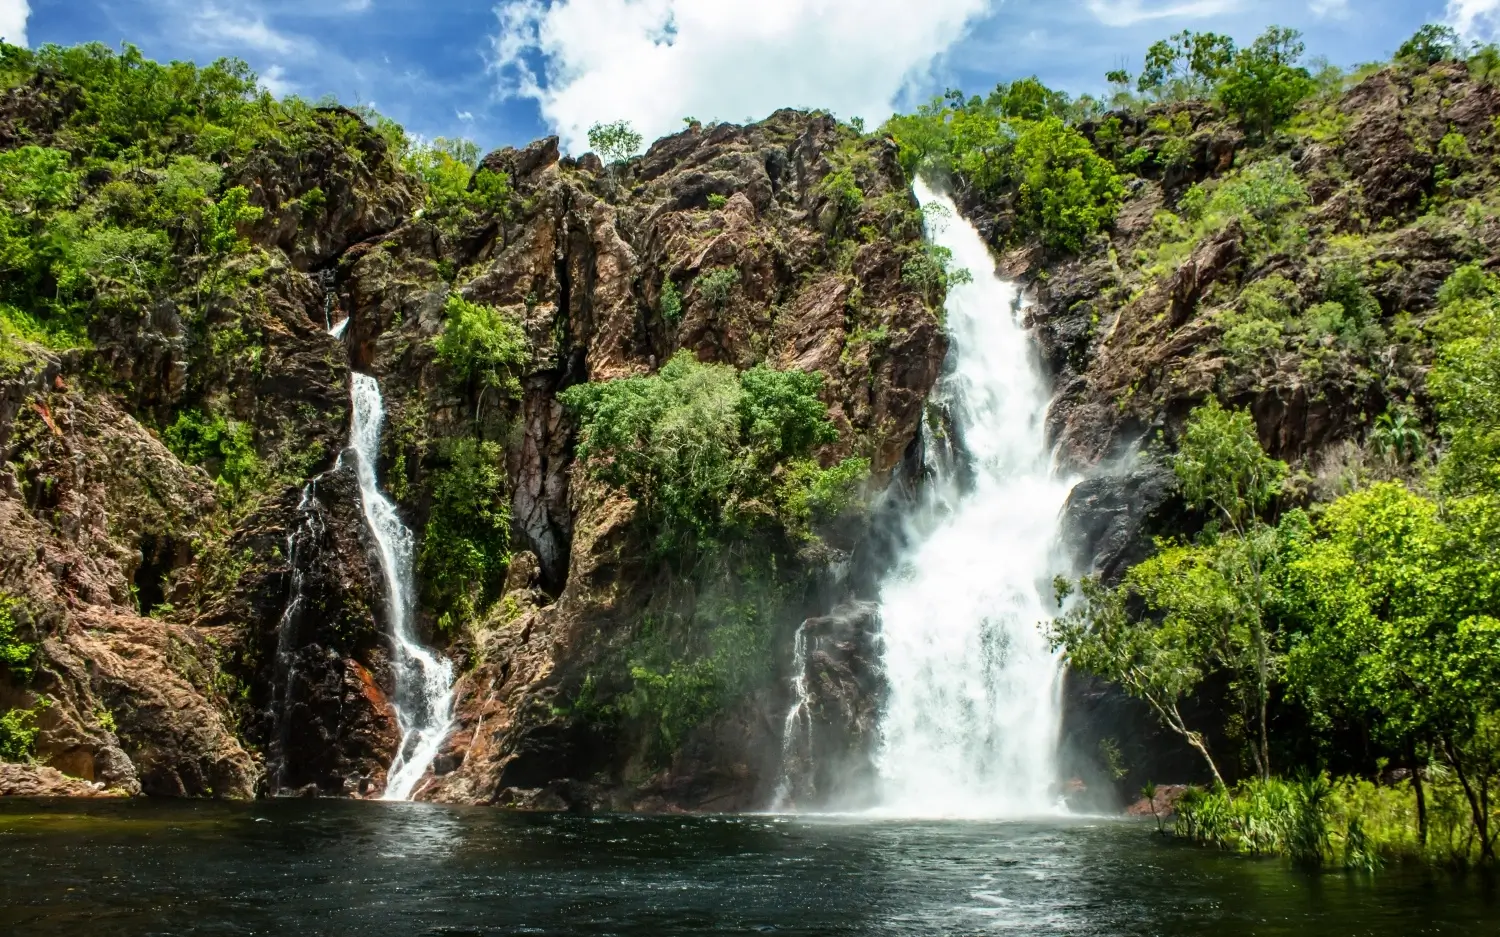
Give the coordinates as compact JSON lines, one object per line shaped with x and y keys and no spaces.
{"x":971,"y":722}
{"x":423,"y":697}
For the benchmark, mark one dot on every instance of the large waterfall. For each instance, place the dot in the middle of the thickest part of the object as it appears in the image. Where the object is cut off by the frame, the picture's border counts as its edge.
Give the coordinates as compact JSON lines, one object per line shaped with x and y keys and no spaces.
{"x":424,"y":680}
{"x":971,"y":724}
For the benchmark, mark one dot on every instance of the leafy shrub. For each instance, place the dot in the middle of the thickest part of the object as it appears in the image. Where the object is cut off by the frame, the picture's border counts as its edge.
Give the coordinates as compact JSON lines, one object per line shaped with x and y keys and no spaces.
{"x":466,"y":543}
{"x":811,"y":495}
{"x":717,"y":284}
{"x":717,"y":201}
{"x":1431,"y":44}
{"x":18,"y":730}
{"x":698,"y":445}
{"x":1265,"y":83}
{"x":226,"y":448}
{"x":15,"y":653}
{"x":1185,"y":66}
{"x":1068,"y":192}
{"x":482,"y":343}
{"x":459,"y":191}
{"x":930,"y":269}
{"x":670,"y":302}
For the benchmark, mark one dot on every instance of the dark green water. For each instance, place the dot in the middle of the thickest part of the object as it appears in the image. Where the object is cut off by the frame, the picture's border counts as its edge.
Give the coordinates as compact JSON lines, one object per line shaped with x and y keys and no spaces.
{"x":303,"y":868}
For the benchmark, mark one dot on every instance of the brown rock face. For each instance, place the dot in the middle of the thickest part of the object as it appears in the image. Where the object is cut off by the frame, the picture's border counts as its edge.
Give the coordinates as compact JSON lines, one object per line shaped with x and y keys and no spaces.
{"x":202,"y":640}
{"x":120,"y":699}
{"x":42,"y":781}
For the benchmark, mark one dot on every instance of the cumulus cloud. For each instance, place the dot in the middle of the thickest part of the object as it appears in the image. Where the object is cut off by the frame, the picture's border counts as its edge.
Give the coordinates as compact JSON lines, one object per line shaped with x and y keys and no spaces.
{"x":13,"y":17}
{"x":238,"y":27}
{"x":1475,"y":19}
{"x":654,"y":62}
{"x":274,"y":80}
{"x":1131,"y":12}
{"x":1336,"y":9}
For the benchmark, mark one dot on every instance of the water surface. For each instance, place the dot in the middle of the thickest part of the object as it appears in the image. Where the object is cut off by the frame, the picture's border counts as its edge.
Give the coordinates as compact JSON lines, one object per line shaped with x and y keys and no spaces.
{"x":331,"y":867}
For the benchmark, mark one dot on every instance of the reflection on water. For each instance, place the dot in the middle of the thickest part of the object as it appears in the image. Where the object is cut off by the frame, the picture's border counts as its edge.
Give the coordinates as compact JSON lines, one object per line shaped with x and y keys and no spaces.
{"x":303,"y":868}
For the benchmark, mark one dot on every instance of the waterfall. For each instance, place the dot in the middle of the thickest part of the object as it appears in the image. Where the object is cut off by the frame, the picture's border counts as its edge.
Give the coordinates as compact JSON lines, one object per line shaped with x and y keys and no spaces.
{"x":971,"y":723}
{"x":798,"y":724}
{"x":301,"y":538}
{"x":424,"y":680}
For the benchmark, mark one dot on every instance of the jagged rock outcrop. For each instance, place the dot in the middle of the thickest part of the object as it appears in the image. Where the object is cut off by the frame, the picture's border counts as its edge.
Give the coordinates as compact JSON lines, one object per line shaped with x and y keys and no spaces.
{"x":121,"y":699}
{"x":228,"y":639}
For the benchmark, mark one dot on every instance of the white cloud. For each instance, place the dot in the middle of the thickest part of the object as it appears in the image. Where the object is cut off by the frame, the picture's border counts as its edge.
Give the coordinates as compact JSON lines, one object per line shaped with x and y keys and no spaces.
{"x":1131,"y":12}
{"x":1475,"y":19}
{"x":240,"y":28}
{"x":274,"y":80}
{"x":13,"y":17}
{"x":1334,"y":9}
{"x":654,"y":62}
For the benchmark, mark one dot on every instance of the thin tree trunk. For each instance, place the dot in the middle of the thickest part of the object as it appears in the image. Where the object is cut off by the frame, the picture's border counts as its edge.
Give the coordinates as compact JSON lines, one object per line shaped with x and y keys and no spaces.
{"x":1481,"y":819}
{"x":1416,"y":786}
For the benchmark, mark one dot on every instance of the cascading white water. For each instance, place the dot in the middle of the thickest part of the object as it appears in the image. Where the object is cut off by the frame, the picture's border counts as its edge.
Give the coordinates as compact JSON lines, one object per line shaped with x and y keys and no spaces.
{"x":424,"y":680}
{"x":798,"y":725}
{"x":971,"y":724}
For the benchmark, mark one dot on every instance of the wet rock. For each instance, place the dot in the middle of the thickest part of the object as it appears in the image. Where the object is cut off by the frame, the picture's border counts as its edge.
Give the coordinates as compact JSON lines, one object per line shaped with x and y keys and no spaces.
{"x":43,"y":781}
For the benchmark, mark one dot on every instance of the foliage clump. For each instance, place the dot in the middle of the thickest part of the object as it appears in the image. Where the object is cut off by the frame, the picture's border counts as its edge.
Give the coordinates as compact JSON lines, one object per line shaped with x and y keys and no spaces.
{"x":482,"y":344}
{"x":708,"y":452}
{"x":1016,"y":138}
{"x":466,"y":543}
{"x":225,"y":447}
{"x":16,"y":653}
{"x":615,"y":142}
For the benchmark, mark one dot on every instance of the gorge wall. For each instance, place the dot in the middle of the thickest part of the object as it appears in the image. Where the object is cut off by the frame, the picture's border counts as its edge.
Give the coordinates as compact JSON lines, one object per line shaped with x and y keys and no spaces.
{"x":156,"y":592}
{"x":171,"y":473}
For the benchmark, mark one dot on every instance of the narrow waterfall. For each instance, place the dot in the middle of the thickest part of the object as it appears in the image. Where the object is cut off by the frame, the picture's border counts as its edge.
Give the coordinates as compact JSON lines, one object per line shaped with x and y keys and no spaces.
{"x":424,"y":680}
{"x":299,"y":541}
{"x":798,"y":726}
{"x":971,"y":724}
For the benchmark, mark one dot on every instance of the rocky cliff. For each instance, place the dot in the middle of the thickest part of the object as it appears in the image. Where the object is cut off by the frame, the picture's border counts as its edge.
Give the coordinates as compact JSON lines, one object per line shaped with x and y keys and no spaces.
{"x":1292,"y":276}
{"x":193,"y":606}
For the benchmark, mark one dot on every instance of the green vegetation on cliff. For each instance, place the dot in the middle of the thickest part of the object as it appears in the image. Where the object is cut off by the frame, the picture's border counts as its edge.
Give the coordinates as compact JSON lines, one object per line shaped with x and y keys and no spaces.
{"x":1380,"y":611}
{"x":1301,"y":265}
{"x":711,"y":453}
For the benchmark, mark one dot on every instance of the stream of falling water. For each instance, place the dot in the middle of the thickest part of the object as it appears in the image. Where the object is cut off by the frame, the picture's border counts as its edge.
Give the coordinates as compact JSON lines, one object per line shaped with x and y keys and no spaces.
{"x":299,"y":541}
{"x":424,"y":680}
{"x":797,"y":728}
{"x":971,"y":724}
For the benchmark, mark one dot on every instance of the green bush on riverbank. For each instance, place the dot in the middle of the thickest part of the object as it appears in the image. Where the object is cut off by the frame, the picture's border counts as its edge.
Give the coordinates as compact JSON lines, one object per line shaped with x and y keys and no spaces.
{"x":1348,"y":823}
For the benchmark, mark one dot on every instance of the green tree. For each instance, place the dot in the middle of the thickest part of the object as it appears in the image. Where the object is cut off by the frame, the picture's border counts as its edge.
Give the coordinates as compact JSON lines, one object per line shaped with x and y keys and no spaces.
{"x":1465,"y":381}
{"x":703,"y":448}
{"x":1431,"y":44}
{"x":615,"y":142}
{"x":1028,"y":99}
{"x":1187,"y":65}
{"x":1396,"y":600}
{"x":1265,"y":83}
{"x":1202,"y":607}
{"x":221,"y":234}
{"x":16,"y":654}
{"x":482,"y":344}
{"x":466,"y":544}
{"x":1068,"y":192}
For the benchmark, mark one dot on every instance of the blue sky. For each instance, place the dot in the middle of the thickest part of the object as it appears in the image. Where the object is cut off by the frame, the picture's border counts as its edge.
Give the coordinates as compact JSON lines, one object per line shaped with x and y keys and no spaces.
{"x":507,"y":72}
